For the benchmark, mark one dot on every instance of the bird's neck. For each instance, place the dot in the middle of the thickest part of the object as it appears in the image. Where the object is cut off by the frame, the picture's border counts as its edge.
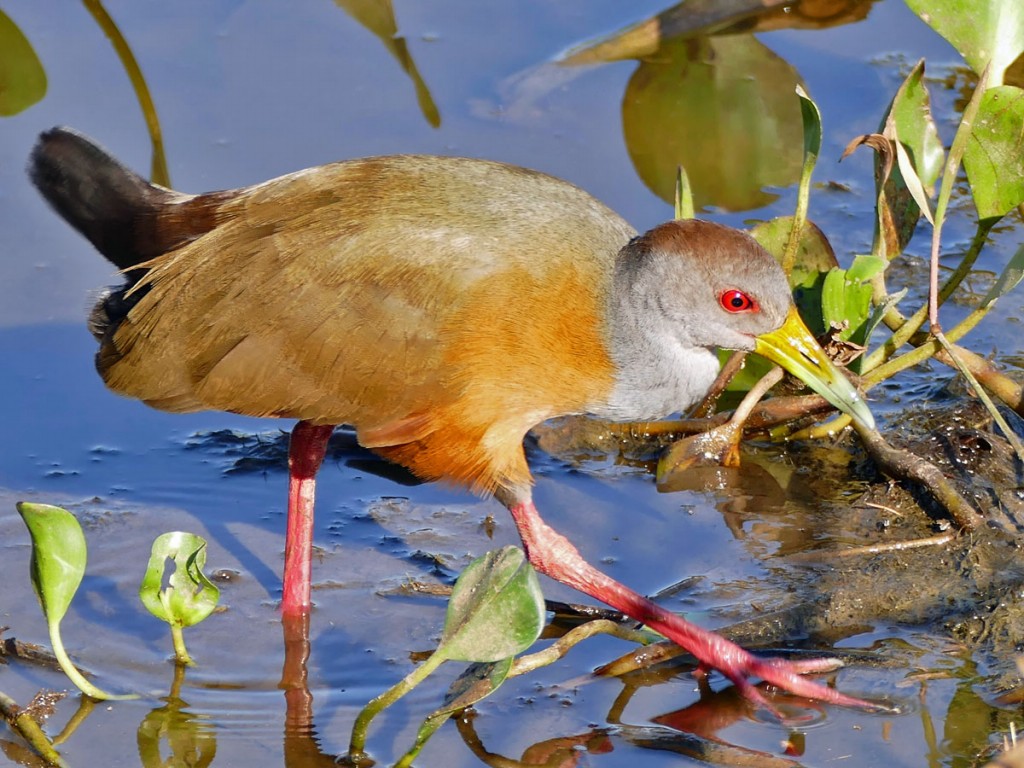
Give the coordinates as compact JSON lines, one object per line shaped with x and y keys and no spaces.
{"x":657,"y":372}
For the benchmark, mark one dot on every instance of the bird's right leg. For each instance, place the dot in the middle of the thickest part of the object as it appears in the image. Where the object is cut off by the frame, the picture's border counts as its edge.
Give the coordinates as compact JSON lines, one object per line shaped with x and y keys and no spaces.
{"x":555,"y":556}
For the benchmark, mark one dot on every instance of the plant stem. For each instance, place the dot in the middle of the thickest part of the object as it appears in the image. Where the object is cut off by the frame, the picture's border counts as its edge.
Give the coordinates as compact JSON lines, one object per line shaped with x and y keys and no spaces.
{"x":72,"y":672}
{"x":358,"y":741}
{"x":180,"y":652}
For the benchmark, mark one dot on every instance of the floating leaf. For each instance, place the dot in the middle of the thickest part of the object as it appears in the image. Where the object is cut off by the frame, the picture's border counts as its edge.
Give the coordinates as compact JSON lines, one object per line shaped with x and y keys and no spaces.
{"x":994,"y":155}
{"x":496,"y":609}
{"x":22,"y":78}
{"x":57,"y":566}
{"x":981,"y":30}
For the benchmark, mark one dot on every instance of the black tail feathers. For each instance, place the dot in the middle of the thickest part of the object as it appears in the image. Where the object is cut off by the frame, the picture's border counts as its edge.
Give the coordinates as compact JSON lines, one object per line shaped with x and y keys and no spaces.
{"x":108,"y":203}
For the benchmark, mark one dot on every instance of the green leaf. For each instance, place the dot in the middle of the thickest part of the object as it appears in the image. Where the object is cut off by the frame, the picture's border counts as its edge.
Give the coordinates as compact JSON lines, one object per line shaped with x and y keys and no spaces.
{"x":56,"y":568}
{"x":1008,"y":280}
{"x":684,"y":195}
{"x":477,"y":682}
{"x":981,"y":30}
{"x":909,"y":121}
{"x":846,"y":297}
{"x":58,"y":556}
{"x":189,"y":596}
{"x":811,"y":122}
{"x":22,"y":78}
{"x":814,"y":258}
{"x":811,"y":119}
{"x":994,"y":155}
{"x":496,"y":609}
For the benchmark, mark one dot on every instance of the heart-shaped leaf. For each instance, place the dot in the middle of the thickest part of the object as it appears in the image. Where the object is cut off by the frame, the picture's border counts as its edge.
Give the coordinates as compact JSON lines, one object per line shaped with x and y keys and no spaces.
{"x":981,"y":30}
{"x":994,"y":155}
{"x":496,"y":609}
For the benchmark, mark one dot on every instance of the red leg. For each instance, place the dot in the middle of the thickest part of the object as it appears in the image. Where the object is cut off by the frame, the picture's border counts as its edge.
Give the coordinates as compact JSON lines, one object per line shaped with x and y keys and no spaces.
{"x":552,"y":554}
{"x":306,"y":452}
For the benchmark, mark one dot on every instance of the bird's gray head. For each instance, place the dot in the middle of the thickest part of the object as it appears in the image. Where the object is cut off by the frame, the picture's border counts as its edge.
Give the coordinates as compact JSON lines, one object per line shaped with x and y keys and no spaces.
{"x":703,"y":284}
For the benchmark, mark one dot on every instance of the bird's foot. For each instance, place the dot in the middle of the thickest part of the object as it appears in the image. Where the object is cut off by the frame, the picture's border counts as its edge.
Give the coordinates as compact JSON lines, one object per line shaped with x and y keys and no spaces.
{"x":785,"y":674}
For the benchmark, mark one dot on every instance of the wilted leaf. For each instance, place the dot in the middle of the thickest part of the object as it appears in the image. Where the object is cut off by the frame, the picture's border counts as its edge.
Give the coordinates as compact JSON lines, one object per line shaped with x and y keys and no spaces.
{"x":981,"y":30}
{"x":22,"y":78}
{"x":908,"y":163}
{"x":994,"y":155}
{"x":719,"y":447}
{"x":496,"y":609}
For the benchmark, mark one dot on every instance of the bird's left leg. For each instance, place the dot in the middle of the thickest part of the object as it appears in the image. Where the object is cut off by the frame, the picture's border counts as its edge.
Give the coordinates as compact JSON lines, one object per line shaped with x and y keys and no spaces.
{"x":306,"y":451}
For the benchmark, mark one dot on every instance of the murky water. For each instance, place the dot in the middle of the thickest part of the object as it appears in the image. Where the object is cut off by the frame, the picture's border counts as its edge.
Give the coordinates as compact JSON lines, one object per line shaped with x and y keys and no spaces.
{"x":247,"y":91}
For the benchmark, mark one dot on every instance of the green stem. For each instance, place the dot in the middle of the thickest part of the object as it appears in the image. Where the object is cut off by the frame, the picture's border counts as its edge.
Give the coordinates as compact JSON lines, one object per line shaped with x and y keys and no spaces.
{"x":72,"y":672}
{"x":357,"y":743}
{"x":180,"y":652}
{"x":158,"y":171}
{"x":907,"y":327}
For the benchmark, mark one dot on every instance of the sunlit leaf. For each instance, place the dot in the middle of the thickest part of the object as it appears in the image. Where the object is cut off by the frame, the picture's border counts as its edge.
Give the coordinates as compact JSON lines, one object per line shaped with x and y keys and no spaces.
{"x":496,"y":609}
{"x":22,"y":78}
{"x":914,"y":185}
{"x":58,"y":556}
{"x":909,"y":120}
{"x":189,"y":596}
{"x":477,"y":682}
{"x":811,"y":122}
{"x":57,"y":566}
{"x":994,"y":155}
{"x":846,"y":297}
{"x":684,"y":195}
{"x":981,"y":30}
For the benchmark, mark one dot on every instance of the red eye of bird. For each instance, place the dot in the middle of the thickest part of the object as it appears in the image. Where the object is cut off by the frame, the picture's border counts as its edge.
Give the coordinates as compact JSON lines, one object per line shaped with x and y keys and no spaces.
{"x":735,"y":300}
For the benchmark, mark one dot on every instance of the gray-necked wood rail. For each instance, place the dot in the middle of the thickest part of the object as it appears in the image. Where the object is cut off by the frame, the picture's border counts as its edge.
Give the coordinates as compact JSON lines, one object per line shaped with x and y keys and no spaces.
{"x":442,"y":307}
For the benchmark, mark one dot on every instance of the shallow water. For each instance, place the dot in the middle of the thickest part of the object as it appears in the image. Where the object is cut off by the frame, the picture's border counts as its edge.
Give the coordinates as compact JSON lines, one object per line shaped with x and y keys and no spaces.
{"x":246,"y":91}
